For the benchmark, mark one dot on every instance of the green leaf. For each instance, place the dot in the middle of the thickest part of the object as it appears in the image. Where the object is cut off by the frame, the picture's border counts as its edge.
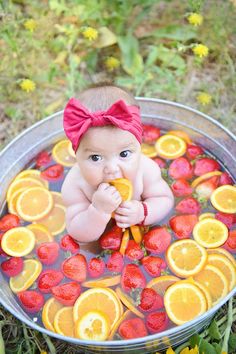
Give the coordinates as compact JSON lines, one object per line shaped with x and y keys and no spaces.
{"x":232,"y":342}
{"x":175,"y":32}
{"x":132,"y":61}
{"x":195,"y":340}
{"x":206,"y":347}
{"x":218,"y":347}
{"x":58,"y":6}
{"x":106,"y":38}
{"x":169,"y":57}
{"x":214,"y":330}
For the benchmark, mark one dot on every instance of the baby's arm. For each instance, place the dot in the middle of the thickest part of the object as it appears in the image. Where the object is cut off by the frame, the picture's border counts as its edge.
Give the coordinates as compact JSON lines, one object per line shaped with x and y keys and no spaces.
{"x":86,"y":220}
{"x":156,"y":194}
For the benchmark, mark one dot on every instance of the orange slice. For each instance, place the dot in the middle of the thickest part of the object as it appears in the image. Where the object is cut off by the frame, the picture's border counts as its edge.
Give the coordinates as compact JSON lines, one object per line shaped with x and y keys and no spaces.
{"x":57,"y":198}
{"x":128,"y":302}
{"x":170,"y":146}
{"x":103,"y":282}
{"x":186,"y":257}
{"x":214,"y":280}
{"x":41,"y":233}
{"x":93,"y":325}
{"x":137,"y":233}
{"x":55,"y":220}
{"x":22,"y":183}
{"x":125,"y":316}
{"x":206,"y":292}
{"x":124,"y":241}
{"x":183,"y":302}
{"x":61,"y":153}
{"x":225,"y":266}
{"x":160,"y":284}
{"x":98,"y":299}
{"x":224,"y":252}
{"x":18,"y":242}
{"x":124,"y":187}
{"x":64,"y":323}
{"x":50,"y":308}
{"x":205,"y":177}
{"x":148,"y":150}
{"x":34,"y":203}
{"x":181,"y":134}
{"x":210,"y":233}
{"x":13,"y":199}
{"x":31,"y":270}
{"x":224,"y":199}
{"x":32,"y":173}
{"x":206,"y":216}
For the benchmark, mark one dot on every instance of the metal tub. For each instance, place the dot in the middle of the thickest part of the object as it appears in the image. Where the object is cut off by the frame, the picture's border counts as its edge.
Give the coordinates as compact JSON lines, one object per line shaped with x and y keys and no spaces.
{"x":168,"y":115}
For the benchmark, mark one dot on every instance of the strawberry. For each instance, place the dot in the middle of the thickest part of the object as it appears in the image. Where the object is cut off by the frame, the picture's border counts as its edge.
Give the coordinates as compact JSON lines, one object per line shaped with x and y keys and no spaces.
{"x":75,"y":268}
{"x":193,"y":151}
{"x":161,"y":163}
{"x":115,"y":262}
{"x":134,"y":251}
{"x":12,"y":266}
{"x":188,"y":205}
{"x":67,"y":243}
{"x":96,"y":267}
{"x":150,"y":133}
{"x":132,"y":278}
{"x":205,"y":165}
{"x":150,"y":300}
{"x":112,"y":239}
{"x":230,"y":243}
{"x":181,"y":168}
{"x":43,"y":159}
{"x":157,"y":240}
{"x":156,"y":322}
{"x":48,"y":252}
{"x":49,"y":278}
{"x":225,"y":179}
{"x":67,"y":293}
{"x":183,"y":225}
{"x":153,"y":265}
{"x":206,"y":188}
{"x":132,"y":328}
{"x":181,"y":188}
{"x":2,"y":253}
{"x":31,"y":300}
{"x":53,"y":173}
{"x":228,"y":219}
{"x":9,"y":221}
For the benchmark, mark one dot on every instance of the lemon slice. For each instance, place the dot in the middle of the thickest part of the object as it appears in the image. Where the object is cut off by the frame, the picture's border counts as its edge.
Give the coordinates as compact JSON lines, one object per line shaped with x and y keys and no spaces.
{"x":18,"y":242}
{"x":31,"y":270}
{"x":210,"y":233}
{"x":170,"y":146}
{"x":224,"y":199}
{"x":93,"y":325}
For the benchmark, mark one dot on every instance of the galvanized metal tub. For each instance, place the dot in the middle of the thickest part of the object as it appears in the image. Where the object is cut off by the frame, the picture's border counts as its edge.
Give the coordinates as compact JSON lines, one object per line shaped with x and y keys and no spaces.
{"x":168,"y":115}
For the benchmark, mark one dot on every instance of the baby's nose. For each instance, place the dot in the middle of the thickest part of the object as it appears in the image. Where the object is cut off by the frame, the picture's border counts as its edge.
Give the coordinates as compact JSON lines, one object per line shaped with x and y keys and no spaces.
{"x":111,"y":168}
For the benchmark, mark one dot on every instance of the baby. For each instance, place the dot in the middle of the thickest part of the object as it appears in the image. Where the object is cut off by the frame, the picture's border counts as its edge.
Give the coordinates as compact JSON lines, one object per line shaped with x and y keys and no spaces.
{"x":105,"y":129}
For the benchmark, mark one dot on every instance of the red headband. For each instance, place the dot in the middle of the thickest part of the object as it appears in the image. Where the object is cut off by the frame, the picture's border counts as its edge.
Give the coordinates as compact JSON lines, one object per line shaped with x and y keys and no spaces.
{"x":77,"y":120}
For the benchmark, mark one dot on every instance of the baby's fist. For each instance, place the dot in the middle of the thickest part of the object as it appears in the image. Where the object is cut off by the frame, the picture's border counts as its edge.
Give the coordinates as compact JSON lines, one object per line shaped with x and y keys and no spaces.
{"x":106,"y":198}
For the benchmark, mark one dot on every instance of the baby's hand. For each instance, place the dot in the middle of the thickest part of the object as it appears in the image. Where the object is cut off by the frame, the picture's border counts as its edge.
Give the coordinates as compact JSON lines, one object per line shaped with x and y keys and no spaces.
{"x":129,"y":213}
{"x":106,"y":198}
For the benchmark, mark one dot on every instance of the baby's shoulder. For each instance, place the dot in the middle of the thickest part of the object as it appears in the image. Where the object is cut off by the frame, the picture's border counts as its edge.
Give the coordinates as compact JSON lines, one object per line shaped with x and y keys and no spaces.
{"x":149,"y":167}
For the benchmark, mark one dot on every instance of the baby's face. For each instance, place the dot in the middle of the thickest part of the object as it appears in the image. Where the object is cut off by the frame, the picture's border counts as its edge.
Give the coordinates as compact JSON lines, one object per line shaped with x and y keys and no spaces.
{"x":106,"y":153}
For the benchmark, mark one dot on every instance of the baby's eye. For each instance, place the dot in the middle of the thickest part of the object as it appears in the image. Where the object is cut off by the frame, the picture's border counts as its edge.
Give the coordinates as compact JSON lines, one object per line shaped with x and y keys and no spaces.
{"x":125,"y":153}
{"x":95,"y":158}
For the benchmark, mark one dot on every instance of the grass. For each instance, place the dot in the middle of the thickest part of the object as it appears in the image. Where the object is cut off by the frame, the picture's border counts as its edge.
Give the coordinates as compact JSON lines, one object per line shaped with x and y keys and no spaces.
{"x":152,"y":43}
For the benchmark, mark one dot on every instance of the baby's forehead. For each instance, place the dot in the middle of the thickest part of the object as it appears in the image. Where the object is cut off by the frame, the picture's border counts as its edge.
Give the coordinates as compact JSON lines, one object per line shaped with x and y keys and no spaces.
{"x":104,"y":136}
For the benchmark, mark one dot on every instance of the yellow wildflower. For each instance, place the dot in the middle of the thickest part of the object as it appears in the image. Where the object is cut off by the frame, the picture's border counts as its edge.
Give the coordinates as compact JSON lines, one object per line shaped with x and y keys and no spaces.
{"x":30,"y":25}
{"x":27,"y":85}
{"x":112,"y":63}
{"x":204,"y":98}
{"x":200,"y":50}
{"x":190,"y":351}
{"x":170,"y":351}
{"x":43,"y":352}
{"x":195,"y":19}
{"x":90,"y":33}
